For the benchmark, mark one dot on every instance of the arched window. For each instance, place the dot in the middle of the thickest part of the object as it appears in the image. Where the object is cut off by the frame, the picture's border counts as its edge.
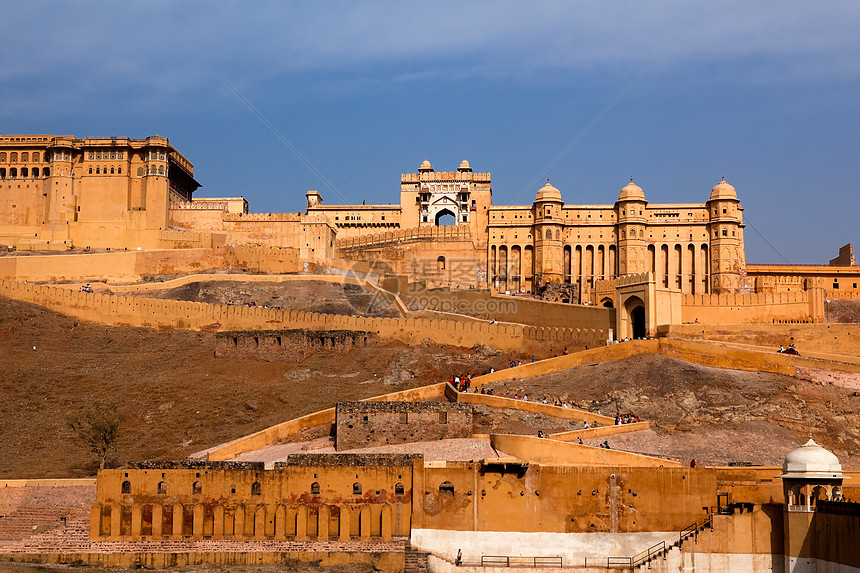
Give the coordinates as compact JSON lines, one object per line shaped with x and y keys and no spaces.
{"x":315,"y":488}
{"x":24,"y":172}
{"x":25,"y":157}
{"x":161,"y":169}
{"x":3,"y":156}
{"x":36,"y":157}
{"x":13,"y":173}
{"x":622,"y":235}
{"x":13,"y":157}
{"x":3,"y":173}
{"x":256,"y":488}
{"x":98,"y":170}
{"x":548,"y":234}
{"x":45,"y":172}
{"x":91,"y":170}
{"x":126,"y":487}
{"x":446,"y":489}
{"x":119,"y":170}
{"x":399,"y":489}
{"x":162,"y":488}
{"x":440,"y":264}
{"x":140,"y":171}
{"x":111,"y":170}
{"x":197,"y":488}
{"x":356,"y":488}
{"x":557,"y":235}
{"x":152,"y":169}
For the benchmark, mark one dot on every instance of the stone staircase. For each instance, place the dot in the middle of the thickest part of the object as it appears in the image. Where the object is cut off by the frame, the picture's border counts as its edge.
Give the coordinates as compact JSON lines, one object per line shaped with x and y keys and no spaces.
{"x":416,"y":561}
{"x":27,"y":521}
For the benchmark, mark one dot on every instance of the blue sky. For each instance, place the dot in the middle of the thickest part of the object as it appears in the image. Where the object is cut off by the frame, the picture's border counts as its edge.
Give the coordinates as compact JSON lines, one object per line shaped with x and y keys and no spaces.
{"x":765,"y":93}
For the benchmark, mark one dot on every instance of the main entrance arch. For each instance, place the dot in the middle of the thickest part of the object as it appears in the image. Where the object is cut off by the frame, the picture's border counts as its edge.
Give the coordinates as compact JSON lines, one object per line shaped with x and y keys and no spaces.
{"x":445,"y":217}
{"x":634,"y":318}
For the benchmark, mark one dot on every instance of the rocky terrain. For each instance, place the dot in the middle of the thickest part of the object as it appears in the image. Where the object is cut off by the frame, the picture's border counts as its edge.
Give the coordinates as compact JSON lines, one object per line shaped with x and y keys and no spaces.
{"x":308,"y":296}
{"x":174,"y":396}
{"x":713,"y":415}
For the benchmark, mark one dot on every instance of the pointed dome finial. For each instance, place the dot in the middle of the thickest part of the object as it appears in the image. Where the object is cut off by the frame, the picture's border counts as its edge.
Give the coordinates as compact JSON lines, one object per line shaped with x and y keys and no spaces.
{"x":631,"y":179}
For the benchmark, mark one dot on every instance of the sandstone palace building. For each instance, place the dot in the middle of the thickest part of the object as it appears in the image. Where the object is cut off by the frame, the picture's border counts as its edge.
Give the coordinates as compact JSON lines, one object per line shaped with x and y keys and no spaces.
{"x":62,"y":192}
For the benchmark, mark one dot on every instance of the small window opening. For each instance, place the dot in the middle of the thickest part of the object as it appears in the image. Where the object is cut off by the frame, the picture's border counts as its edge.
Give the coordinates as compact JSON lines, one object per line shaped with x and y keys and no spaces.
{"x":126,"y":487}
{"x":315,"y":488}
{"x":256,"y":488}
{"x":356,"y":488}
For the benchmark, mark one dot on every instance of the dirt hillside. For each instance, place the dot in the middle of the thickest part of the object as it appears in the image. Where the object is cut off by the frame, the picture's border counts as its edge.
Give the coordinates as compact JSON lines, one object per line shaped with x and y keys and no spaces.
{"x":176,"y":398}
{"x":712,"y":415}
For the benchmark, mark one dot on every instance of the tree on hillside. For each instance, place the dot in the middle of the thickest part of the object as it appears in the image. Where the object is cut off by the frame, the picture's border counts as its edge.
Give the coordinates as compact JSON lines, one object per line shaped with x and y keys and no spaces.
{"x":98,"y":430}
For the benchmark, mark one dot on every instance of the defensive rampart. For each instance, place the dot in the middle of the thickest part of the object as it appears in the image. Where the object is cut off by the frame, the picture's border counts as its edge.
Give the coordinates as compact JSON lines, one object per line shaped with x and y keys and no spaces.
{"x":831,"y":341}
{"x":804,"y":306}
{"x":134,"y":266}
{"x":481,"y":302}
{"x":158,"y":313}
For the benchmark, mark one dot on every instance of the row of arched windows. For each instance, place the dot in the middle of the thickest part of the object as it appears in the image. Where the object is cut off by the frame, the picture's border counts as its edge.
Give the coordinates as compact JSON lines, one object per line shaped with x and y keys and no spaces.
{"x":257,"y":489}
{"x":153,"y":170}
{"x":104,"y":170}
{"x":156,"y":156}
{"x":24,"y":173}
{"x":105,"y":155}
{"x":25,"y":157}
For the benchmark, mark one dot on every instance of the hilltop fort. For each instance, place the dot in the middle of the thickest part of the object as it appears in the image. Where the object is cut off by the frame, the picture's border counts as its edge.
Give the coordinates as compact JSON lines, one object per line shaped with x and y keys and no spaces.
{"x":108,"y":231}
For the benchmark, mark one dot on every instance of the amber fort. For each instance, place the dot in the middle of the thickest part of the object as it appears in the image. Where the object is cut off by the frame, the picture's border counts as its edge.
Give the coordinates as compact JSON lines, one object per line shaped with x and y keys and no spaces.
{"x":557,"y":284}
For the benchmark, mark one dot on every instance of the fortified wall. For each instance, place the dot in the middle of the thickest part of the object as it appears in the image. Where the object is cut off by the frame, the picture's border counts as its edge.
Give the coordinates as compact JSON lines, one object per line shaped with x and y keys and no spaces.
{"x":484,"y":304}
{"x":158,"y":313}
{"x":288,"y":345}
{"x":439,"y":256}
{"x":367,"y":424}
{"x":805,"y":306}
{"x":136,"y":266}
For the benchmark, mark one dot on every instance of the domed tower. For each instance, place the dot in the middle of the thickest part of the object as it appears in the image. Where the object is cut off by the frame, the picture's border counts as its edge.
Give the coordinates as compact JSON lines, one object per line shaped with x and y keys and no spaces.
{"x":811,"y":475}
{"x":725,"y":230}
{"x":548,"y":241}
{"x":630,"y":211}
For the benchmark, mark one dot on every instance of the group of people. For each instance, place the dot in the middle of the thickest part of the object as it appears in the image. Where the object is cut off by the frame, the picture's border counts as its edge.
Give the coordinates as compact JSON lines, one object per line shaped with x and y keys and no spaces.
{"x":87,"y":288}
{"x":629,"y":419}
{"x":461,"y":383}
{"x":790,"y":350}
{"x":604,"y":445}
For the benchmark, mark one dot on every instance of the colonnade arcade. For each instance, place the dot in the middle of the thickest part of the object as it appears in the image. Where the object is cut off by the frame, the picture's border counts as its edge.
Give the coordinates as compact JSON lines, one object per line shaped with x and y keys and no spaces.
{"x":684,"y":267}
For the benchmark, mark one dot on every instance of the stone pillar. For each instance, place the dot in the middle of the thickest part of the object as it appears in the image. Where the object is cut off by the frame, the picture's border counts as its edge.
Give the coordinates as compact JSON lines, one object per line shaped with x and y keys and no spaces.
{"x":95,"y":521}
{"x":239,"y":522}
{"x":157,"y":520}
{"x":344,"y":524}
{"x":136,"y":521}
{"x":197,"y":522}
{"x":386,"y":521}
{"x":280,"y":522}
{"x":115,"y":519}
{"x":260,"y":522}
{"x":218,"y":522}
{"x":364,"y":523}
{"x":322,"y":522}
{"x":302,"y":523}
{"x":178,"y":518}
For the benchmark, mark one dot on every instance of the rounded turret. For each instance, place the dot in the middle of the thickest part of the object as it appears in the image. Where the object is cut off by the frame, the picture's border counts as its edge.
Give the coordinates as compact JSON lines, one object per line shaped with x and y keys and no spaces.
{"x":464,"y":167}
{"x":548,"y":193}
{"x":723,"y":191}
{"x":811,"y":461}
{"x":425,"y":167}
{"x":631,"y":192}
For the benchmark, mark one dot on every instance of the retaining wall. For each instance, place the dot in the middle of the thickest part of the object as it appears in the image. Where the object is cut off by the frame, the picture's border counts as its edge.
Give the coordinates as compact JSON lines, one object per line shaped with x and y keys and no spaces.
{"x":157,"y":313}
